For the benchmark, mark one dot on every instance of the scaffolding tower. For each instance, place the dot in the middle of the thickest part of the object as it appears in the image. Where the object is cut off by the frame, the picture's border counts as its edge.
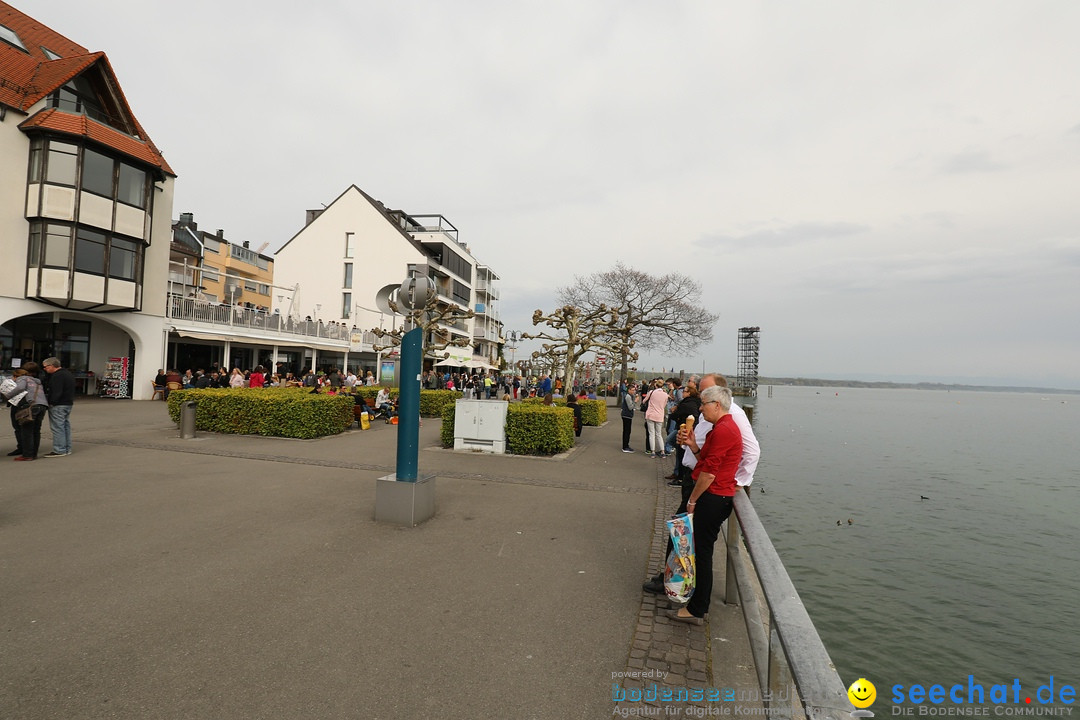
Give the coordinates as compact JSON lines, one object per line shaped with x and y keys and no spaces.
{"x":746,"y":381}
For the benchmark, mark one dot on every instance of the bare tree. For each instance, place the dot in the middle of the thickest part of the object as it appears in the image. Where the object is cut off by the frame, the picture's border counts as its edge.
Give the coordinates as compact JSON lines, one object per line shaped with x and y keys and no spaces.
{"x":577,"y":331}
{"x":653,"y":312}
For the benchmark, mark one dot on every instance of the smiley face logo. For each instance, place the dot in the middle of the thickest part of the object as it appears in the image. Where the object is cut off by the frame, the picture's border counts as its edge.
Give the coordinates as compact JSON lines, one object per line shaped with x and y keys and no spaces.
{"x":862,"y":693}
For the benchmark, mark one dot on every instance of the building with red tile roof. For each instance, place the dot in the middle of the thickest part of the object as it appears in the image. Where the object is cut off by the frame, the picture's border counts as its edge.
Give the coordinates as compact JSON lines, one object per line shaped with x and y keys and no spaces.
{"x":85,"y":212}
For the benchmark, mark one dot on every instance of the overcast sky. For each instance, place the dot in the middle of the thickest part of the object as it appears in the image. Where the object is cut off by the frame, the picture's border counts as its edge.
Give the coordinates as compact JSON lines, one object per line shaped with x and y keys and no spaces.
{"x":888,"y":189}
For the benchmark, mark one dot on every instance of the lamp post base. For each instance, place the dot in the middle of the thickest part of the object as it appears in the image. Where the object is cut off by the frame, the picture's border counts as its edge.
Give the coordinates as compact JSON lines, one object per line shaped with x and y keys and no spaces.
{"x":403,"y":502}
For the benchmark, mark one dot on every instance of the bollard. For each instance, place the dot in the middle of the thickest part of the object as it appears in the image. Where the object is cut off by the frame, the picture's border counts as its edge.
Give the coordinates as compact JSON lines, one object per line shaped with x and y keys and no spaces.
{"x":187,"y":419}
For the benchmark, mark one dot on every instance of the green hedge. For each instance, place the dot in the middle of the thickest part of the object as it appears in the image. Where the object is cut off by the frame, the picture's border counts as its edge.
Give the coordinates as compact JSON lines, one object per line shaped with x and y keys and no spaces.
{"x":531,"y":429}
{"x":446,"y":434}
{"x":539,"y":429}
{"x":276,"y":412}
{"x":593,"y":412}
{"x":433,"y":403}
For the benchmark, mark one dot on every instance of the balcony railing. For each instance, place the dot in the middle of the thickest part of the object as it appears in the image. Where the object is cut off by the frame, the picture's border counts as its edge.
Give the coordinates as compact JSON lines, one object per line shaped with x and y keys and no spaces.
{"x":222,"y":315}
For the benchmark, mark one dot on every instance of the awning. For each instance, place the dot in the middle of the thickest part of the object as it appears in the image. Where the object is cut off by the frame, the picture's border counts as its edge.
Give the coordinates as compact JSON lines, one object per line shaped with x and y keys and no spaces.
{"x":292,"y":341}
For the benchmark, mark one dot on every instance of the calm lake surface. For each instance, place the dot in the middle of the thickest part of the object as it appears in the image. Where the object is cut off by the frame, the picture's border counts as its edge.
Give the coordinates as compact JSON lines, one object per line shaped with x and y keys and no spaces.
{"x":982,"y":578}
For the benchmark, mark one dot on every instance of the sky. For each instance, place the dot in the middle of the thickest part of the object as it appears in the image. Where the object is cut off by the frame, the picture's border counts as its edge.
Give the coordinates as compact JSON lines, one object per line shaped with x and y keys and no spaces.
{"x":887,"y":189}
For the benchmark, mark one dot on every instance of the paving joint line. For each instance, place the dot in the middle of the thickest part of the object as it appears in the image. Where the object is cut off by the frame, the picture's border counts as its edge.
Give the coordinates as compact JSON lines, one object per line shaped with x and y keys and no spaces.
{"x":344,"y":465}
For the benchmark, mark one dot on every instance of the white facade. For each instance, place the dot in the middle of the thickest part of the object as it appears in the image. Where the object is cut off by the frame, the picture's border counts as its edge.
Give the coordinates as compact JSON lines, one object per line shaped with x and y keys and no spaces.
{"x":340,"y":260}
{"x":85,"y":208}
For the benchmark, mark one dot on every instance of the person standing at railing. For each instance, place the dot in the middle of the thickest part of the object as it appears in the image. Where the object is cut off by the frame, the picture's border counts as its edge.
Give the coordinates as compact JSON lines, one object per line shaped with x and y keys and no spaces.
{"x":711,"y":498}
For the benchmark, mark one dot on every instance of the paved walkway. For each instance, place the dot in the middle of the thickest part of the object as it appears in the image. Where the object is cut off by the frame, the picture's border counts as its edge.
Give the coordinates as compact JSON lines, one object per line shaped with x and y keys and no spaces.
{"x":146,"y":576}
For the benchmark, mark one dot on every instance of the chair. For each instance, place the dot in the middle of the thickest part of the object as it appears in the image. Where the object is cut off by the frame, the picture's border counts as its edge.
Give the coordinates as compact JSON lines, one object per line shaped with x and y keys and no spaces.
{"x":174,"y":386}
{"x":158,"y":390}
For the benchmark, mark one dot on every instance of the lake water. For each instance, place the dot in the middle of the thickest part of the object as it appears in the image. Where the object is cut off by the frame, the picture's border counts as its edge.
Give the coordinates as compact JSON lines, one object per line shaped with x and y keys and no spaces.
{"x":981,"y":578}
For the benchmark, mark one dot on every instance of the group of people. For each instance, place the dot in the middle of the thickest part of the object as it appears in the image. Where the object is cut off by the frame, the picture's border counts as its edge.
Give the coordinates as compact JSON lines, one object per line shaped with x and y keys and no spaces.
{"x":52,"y":394}
{"x":501,"y":385}
{"x":258,"y":377}
{"x":712,"y":461}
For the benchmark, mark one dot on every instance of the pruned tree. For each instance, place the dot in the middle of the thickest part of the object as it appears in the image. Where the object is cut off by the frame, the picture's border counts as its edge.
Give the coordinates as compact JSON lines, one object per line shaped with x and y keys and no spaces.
{"x":429,"y":317}
{"x":653,"y":312}
{"x":574,"y":333}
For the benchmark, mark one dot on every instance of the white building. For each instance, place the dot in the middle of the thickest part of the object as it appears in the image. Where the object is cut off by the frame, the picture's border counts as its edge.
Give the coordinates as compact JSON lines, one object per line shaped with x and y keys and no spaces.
{"x":85,"y":207}
{"x":355,"y":247}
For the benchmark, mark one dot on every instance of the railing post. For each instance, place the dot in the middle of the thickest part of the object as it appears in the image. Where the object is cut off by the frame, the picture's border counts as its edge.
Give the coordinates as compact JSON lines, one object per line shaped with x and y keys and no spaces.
{"x":731,"y":583}
{"x":777,"y":699}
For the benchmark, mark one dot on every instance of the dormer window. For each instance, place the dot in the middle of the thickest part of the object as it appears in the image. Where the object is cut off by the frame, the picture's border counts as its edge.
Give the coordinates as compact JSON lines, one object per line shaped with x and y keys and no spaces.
{"x":81,"y":95}
{"x":8,"y":35}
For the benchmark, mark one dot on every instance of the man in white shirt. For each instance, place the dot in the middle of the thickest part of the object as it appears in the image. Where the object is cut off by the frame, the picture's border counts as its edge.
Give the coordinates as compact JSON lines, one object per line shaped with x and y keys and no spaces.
{"x":743,"y":476}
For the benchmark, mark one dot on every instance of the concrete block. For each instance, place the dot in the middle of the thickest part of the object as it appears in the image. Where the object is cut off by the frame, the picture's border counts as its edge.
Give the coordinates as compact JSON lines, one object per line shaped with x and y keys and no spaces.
{"x":404,"y":503}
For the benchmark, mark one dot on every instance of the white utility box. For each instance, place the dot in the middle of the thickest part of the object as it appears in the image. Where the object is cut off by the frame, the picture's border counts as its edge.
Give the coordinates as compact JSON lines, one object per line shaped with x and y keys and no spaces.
{"x":480,"y":425}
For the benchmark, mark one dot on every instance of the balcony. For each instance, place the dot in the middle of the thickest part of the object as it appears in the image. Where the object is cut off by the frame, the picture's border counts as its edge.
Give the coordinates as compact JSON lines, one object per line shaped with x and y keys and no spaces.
{"x":236,"y":322}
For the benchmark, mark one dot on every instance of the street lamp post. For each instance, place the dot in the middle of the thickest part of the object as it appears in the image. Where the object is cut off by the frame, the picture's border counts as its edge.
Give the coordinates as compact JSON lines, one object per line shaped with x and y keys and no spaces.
{"x":406,"y":498}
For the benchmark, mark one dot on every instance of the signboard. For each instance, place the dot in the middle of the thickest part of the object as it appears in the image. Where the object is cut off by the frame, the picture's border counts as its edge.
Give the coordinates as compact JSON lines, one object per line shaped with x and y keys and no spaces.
{"x":387,"y":373}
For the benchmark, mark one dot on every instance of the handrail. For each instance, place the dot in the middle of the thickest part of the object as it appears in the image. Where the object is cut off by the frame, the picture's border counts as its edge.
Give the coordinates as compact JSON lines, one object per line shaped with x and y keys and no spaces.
{"x":791,"y":645}
{"x":238,"y":316}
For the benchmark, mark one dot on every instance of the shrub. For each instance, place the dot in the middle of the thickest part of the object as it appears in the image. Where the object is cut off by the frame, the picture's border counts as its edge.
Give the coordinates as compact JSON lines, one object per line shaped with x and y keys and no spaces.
{"x":434,"y":402}
{"x":447,"y":432}
{"x":593,"y":412}
{"x":538,"y":429}
{"x":275,"y":412}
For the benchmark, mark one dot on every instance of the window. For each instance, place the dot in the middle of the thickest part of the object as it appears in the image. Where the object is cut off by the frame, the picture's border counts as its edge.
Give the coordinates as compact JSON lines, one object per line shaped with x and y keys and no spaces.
{"x":461,"y":293}
{"x":132,"y":186}
{"x":264,"y":289}
{"x":80,"y":95}
{"x":50,"y":54}
{"x":350,"y":244}
{"x":101,"y":174}
{"x":62,"y":163}
{"x":122,"y":257}
{"x":98,"y":173}
{"x":96,"y":252}
{"x":346,"y":305}
{"x":90,"y":251}
{"x":57,"y":245}
{"x":348,"y":276}
{"x":8,"y":35}
{"x":36,"y":150}
{"x":35,"y":246}
{"x":210,"y":275}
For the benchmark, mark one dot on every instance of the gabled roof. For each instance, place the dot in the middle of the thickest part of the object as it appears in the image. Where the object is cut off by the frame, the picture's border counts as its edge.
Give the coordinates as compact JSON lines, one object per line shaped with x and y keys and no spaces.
{"x":387,"y":214}
{"x":28,"y":76}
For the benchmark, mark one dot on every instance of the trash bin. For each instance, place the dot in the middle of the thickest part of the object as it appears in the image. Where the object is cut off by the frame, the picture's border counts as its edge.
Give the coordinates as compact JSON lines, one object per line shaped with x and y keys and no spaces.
{"x":187,"y":419}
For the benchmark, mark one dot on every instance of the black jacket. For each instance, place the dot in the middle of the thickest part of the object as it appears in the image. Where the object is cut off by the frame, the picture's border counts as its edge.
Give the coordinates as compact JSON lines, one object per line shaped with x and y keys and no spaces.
{"x":687,"y":406}
{"x":60,"y":387}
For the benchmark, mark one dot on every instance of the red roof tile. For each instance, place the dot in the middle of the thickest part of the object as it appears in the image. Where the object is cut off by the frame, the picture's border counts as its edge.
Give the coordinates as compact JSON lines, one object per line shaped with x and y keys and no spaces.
{"x":82,"y":126}
{"x":27,"y":77}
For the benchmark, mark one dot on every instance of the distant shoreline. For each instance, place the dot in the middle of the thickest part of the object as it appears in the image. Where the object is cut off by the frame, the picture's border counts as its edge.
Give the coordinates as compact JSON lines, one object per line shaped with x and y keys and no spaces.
{"x":818,"y":382}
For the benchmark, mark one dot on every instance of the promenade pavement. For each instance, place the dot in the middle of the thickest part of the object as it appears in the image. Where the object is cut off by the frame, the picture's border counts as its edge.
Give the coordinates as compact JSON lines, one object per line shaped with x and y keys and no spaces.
{"x":146,"y":576}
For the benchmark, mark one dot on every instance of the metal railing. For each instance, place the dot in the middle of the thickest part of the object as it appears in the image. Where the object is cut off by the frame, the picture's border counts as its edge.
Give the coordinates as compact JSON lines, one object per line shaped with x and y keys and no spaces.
{"x":788,"y":652}
{"x":238,"y":316}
